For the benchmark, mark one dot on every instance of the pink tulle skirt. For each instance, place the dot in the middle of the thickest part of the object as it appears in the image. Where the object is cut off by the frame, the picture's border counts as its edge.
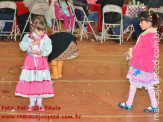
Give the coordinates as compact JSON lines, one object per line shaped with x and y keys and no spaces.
{"x":141,"y":78}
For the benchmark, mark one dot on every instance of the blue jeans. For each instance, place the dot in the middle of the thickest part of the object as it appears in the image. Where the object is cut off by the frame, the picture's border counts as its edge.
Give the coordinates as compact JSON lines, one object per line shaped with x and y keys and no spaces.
{"x":93,"y":16}
{"x":136,"y":26}
{"x":7,"y":17}
{"x":126,"y":22}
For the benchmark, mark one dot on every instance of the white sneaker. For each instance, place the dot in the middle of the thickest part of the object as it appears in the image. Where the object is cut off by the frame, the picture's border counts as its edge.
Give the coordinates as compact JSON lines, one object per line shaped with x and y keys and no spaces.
{"x":98,"y":37}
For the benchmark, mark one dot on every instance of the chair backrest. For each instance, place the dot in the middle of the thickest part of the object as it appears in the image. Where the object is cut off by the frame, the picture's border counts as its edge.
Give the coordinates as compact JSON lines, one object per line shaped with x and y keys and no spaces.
{"x":40,"y":6}
{"x":8,"y":4}
{"x":112,"y":8}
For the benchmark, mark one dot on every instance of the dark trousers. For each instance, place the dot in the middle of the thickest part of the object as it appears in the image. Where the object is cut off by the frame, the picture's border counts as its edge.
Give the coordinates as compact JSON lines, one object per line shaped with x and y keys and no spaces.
{"x":22,"y":19}
{"x":7,"y":17}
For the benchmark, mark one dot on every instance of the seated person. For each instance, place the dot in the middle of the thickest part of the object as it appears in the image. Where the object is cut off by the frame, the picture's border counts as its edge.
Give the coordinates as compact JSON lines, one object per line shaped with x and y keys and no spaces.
{"x":154,"y":5}
{"x":92,"y":16}
{"x":112,"y":17}
{"x":6,"y":14}
{"x":23,"y":18}
{"x":63,"y":11}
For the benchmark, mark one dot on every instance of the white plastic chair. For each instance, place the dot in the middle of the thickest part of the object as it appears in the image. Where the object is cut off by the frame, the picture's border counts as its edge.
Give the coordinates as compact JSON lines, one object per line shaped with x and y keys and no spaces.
{"x":85,"y":20}
{"x":107,"y":26}
{"x":12,"y":5}
{"x":39,"y":6}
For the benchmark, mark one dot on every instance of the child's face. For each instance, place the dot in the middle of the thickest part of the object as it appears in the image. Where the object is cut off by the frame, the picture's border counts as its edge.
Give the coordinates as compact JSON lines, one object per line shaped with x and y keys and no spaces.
{"x":145,"y":24}
{"x":39,"y":32}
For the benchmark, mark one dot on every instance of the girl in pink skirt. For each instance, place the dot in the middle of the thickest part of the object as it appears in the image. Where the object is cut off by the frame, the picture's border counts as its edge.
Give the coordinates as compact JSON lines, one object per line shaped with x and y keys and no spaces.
{"x":35,"y":81}
{"x":143,"y":61}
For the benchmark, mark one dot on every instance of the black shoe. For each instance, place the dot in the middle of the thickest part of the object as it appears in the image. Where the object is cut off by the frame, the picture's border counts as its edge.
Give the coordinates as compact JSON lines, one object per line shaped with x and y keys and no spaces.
{"x":5,"y":38}
{"x":134,"y":36}
{"x":74,"y":32}
{"x":156,"y":109}
{"x":116,"y":41}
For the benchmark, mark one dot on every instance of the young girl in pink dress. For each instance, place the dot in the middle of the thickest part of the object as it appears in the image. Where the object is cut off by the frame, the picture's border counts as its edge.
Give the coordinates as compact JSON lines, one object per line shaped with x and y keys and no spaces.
{"x":35,"y":81}
{"x":142,"y":64}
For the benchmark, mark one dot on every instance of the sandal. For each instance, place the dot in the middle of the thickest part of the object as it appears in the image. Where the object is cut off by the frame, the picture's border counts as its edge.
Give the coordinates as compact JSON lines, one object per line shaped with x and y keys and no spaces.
{"x":127,"y":107}
{"x":30,"y":108}
{"x":41,"y":108}
{"x":156,"y":109}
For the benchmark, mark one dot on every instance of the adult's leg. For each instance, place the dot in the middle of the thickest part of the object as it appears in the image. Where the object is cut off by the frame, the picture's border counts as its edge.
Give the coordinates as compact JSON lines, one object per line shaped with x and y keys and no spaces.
{"x":93,"y":16}
{"x":136,"y":26}
{"x":7,"y":17}
{"x":22,"y":19}
{"x":60,"y":66}
{"x":8,"y":24}
{"x":126,"y":22}
{"x":54,"y":75}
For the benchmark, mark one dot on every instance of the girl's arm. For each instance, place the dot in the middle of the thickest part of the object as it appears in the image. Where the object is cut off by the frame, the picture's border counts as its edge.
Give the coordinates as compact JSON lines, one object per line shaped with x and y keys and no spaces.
{"x":25,"y":43}
{"x":47,"y":49}
{"x":145,"y":46}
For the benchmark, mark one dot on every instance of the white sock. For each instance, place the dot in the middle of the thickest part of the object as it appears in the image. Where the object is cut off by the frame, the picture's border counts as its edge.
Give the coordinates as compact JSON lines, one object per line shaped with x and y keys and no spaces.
{"x":32,"y":101}
{"x":39,"y":101}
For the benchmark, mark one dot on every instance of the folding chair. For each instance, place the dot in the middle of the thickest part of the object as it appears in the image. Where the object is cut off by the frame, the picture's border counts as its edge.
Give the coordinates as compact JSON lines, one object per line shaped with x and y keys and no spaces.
{"x":39,"y":6}
{"x":73,"y":13}
{"x":12,"y":5}
{"x":85,"y":20}
{"x":107,"y":26}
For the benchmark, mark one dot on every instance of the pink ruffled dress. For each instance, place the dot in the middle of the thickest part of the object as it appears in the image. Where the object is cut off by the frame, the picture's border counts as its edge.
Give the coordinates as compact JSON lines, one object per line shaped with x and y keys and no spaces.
{"x":35,"y":80}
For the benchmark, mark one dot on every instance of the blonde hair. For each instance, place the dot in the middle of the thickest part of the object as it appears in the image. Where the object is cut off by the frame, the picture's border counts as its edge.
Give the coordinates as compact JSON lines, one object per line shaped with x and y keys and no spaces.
{"x":39,"y":23}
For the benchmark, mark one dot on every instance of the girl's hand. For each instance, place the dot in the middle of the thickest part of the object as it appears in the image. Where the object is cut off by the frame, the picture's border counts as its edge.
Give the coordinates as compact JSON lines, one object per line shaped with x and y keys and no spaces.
{"x":39,"y":53}
{"x":36,"y":42}
{"x":130,"y":52}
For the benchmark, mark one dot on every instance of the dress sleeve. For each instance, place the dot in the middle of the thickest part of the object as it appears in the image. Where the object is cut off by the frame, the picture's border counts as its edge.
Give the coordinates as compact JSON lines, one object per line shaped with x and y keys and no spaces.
{"x":145,"y":46}
{"x":25,"y":43}
{"x":47,"y":47}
